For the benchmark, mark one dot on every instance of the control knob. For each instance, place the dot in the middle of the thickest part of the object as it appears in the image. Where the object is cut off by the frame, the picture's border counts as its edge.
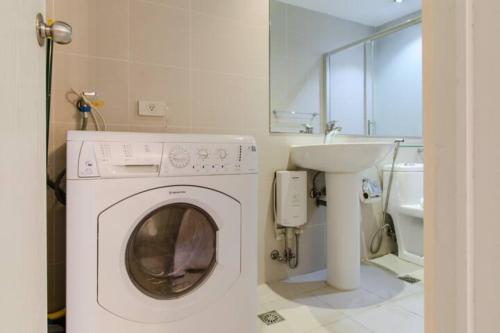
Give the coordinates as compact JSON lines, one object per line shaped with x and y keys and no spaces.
{"x":203,"y":154}
{"x":179,"y":157}
{"x":221,"y":153}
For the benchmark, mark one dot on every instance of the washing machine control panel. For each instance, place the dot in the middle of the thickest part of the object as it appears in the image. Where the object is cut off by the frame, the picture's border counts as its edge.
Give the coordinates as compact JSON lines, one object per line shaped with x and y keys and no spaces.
{"x":123,"y":159}
{"x":208,"y":159}
{"x":120,"y":159}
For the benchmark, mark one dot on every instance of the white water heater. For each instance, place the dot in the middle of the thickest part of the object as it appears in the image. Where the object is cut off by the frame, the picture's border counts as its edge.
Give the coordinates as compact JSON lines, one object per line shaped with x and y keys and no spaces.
{"x":291,"y":198}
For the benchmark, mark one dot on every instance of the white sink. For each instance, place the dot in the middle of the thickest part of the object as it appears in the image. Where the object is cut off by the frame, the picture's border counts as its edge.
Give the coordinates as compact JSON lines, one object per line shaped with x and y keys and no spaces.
{"x":340,"y":157}
{"x":342,"y":164}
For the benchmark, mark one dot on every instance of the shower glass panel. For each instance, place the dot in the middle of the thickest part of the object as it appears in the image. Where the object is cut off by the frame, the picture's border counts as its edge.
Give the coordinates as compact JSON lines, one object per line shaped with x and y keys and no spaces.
{"x":346,"y":89}
{"x":374,"y":87}
{"x":397,"y":83}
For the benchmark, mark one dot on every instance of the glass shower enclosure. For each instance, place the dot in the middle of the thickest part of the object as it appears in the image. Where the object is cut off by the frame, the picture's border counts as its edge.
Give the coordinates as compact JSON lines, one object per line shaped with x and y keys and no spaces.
{"x":374,"y":86}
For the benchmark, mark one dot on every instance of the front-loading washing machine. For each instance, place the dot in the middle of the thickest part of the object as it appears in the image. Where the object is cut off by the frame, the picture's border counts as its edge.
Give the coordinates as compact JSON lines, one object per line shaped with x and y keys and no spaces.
{"x":161,"y":233}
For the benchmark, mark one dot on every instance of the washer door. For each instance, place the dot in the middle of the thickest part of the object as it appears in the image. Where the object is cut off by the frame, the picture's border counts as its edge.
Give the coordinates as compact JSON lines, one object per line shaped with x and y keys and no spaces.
{"x":167,"y":253}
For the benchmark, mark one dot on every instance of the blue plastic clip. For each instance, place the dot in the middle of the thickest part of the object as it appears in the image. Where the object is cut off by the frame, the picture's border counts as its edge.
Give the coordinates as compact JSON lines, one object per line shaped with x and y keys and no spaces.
{"x":83,"y":107}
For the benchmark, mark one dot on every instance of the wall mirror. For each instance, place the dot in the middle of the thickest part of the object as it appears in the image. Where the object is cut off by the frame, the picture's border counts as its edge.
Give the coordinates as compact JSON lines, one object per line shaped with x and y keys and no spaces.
{"x":358,"y":63}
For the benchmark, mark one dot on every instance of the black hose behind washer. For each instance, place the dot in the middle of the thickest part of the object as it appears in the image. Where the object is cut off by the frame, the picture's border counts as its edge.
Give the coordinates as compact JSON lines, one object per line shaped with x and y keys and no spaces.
{"x":55,"y":185}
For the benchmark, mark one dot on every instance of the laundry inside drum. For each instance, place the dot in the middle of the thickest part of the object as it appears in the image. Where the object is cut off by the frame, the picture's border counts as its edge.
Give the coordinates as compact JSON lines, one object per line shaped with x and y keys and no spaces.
{"x":172,"y":251}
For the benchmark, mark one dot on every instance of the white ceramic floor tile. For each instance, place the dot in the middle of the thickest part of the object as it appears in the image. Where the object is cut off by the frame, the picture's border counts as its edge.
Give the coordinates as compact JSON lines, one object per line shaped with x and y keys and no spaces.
{"x":306,"y":300}
{"x":286,"y":289}
{"x":348,"y":301}
{"x":308,"y":282}
{"x":342,"y":326}
{"x":313,"y":285}
{"x":390,"y":318}
{"x":281,"y":305}
{"x":262,"y":308}
{"x":310,"y":277}
{"x":305,"y":318}
{"x":300,"y":319}
{"x":396,"y":264}
{"x":266,"y":294}
{"x":326,"y":315}
{"x":276,"y":328}
{"x":420,"y":274}
{"x":305,"y":313}
{"x":385,"y":284}
{"x":263,"y":289}
{"x":383,"y":304}
{"x":413,"y":304}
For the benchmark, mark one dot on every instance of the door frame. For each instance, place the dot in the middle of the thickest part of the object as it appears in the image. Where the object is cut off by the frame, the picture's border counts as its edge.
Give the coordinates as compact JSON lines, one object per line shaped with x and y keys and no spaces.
{"x":449,"y":151}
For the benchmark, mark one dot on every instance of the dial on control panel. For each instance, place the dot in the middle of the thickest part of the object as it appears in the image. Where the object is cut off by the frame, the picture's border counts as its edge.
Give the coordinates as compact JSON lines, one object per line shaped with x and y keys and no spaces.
{"x":221,"y":153}
{"x":203,"y":154}
{"x":179,"y":157}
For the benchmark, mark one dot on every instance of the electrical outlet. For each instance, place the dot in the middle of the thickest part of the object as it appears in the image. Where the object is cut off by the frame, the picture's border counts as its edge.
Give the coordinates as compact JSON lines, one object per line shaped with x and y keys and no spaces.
{"x":152,"y":108}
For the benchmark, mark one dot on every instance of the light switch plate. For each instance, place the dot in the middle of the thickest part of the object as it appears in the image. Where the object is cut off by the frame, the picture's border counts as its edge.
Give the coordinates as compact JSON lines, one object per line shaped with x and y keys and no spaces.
{"x":152,"y":108}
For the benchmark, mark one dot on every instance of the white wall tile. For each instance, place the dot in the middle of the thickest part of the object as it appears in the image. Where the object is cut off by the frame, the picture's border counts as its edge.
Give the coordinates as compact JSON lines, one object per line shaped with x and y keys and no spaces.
{"x":172,"y":3}
{"x":155,"y":83}
{"x":158,"y":34}
{"x":218,"y":44}
{"x":218,"y":100}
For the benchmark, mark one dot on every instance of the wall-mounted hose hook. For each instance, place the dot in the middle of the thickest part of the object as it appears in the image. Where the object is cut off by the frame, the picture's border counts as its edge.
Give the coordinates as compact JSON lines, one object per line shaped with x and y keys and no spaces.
{"x":60,"y":32}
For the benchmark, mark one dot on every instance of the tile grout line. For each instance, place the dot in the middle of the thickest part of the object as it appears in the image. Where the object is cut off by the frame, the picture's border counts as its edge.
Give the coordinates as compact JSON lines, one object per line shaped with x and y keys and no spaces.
{"x":129,"y":55}
{"x":190,"y":65}
{"x":163,"y":66}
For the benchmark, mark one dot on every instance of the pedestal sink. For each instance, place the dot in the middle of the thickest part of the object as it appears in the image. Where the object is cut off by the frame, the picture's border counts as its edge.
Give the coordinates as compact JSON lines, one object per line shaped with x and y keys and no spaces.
{"x":342,"y":163}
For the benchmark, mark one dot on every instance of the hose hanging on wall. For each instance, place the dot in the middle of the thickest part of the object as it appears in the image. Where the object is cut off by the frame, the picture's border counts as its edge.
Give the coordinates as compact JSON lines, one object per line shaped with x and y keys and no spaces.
{"x":387,"y":223}
{"x":84,"y":106}
{"x":59,"y":193}
{"x":61,"y":33}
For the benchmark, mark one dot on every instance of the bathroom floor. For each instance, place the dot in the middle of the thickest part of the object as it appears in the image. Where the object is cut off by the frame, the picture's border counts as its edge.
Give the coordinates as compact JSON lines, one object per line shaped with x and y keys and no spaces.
{"x":382,"y":304}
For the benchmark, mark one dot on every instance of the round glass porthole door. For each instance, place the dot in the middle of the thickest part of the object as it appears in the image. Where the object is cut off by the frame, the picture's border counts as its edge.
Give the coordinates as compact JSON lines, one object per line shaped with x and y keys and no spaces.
{"x":172,"y":251}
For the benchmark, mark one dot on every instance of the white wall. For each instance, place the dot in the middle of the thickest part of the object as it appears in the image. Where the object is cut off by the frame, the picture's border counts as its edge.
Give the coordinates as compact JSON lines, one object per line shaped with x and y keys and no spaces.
{"x":23,"y":286}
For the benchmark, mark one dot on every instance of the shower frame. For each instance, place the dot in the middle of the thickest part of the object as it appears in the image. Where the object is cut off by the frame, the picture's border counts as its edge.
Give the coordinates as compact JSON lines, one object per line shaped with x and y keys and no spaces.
{"x":367,"y":47}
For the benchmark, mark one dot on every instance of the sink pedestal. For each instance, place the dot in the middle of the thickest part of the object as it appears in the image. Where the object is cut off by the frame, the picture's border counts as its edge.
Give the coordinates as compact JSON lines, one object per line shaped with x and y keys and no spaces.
{"x":343,"y":230}
{"x":343,"y":164}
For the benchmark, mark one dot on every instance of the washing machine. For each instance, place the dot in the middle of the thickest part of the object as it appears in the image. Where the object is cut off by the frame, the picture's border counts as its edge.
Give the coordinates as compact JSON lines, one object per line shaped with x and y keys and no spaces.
{"x":161,"y":233}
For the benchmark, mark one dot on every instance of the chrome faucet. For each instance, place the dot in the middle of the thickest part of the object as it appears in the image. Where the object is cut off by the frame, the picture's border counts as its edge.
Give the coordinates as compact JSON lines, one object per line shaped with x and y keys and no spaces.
{"x":308,"y":129}
{"x":331,"y":130}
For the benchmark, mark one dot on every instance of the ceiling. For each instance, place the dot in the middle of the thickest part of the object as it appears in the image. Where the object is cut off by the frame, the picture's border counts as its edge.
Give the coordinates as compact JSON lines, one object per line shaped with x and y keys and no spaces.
{"x":369,"y":12}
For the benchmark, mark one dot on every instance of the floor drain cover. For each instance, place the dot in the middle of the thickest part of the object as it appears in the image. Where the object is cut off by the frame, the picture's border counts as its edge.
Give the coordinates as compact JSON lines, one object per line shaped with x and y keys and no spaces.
{"x":271,"y":318}
{"x":409,"y":279}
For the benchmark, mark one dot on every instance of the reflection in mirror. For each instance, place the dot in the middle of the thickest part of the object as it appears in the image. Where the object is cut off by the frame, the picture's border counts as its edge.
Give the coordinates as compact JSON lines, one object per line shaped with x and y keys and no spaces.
{"x":344,"y":62}
{"x":346,"y":89}
{"x":374,"y":86}
{"x":396,"y":72}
